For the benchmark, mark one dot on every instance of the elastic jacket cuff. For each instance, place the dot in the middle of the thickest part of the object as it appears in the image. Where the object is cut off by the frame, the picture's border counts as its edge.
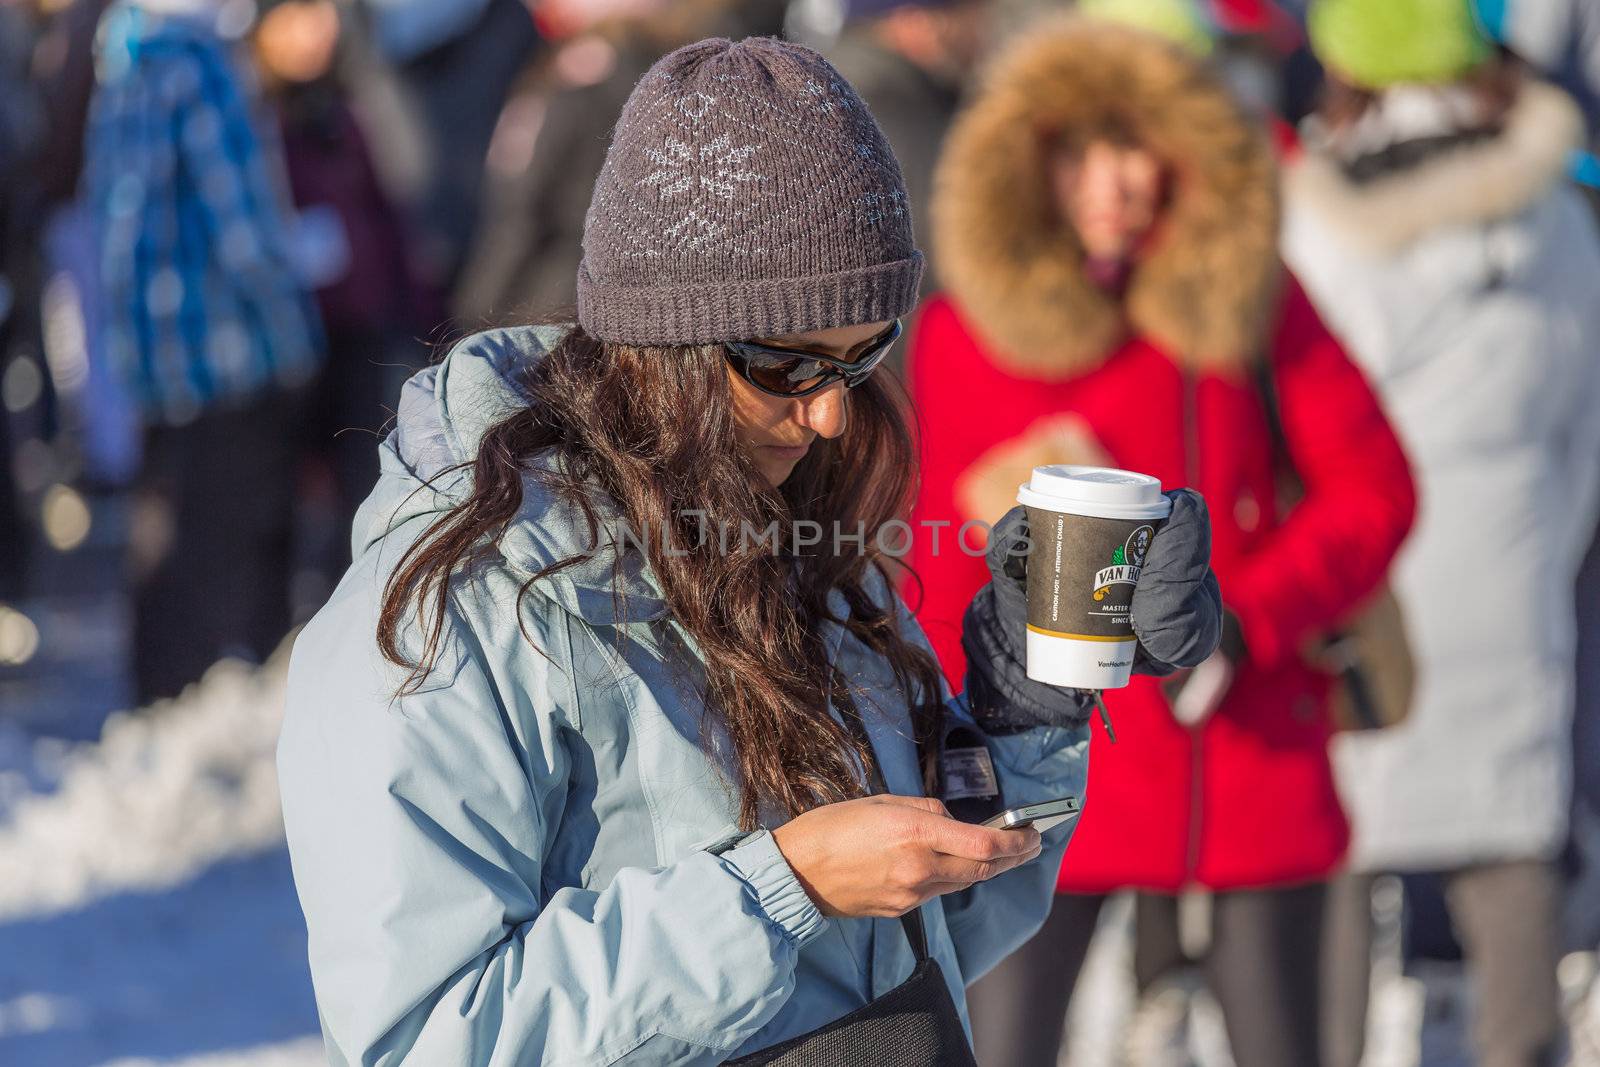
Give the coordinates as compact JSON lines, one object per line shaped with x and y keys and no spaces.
{"x":777,"y":892}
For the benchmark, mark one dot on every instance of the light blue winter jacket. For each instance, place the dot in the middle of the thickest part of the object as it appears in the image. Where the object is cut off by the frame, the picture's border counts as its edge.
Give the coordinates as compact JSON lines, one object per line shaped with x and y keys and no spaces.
{"x":519,"y":864}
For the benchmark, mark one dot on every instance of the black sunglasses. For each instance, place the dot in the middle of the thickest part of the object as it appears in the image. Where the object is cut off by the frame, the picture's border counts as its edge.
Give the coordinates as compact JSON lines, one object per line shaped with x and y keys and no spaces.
{"x":792,"y":372}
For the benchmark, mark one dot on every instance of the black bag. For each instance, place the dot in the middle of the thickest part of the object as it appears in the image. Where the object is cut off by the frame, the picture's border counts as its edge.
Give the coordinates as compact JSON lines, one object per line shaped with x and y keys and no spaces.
{"x":915,"y":1024}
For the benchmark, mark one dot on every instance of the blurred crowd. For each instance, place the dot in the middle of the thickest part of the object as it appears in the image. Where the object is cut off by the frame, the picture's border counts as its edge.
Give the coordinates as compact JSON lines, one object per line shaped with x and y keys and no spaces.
{"x":1336,"y":264}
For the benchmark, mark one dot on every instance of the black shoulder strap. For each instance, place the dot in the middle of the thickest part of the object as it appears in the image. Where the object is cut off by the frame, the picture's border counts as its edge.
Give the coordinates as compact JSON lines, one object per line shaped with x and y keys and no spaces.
{"x":1267,"y":390}
{"x":1285,"y":476}
{"x":911,"y":921}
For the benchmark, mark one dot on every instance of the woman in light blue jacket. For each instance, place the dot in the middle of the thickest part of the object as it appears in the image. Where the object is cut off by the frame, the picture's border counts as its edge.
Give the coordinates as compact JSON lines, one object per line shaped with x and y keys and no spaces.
{"x":579,"y":762}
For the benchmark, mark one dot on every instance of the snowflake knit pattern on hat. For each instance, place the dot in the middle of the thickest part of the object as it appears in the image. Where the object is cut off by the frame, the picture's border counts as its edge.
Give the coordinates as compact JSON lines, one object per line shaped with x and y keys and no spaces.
{"x":747,"y":193}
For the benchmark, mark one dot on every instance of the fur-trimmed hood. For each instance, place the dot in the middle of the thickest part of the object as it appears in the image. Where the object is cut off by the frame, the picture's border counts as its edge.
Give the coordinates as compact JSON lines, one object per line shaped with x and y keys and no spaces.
{"x":1477,"y":182}
{"x":1203,"y":288}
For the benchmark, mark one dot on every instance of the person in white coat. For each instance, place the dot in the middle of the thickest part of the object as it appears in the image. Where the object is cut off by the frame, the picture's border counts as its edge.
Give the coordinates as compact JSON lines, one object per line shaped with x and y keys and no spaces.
{"x":1430,"y":218}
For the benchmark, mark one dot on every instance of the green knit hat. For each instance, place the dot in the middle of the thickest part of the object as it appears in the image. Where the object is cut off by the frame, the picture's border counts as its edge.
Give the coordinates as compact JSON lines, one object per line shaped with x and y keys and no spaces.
{"x":1377,"y":43}
{"x":1176,"y":20}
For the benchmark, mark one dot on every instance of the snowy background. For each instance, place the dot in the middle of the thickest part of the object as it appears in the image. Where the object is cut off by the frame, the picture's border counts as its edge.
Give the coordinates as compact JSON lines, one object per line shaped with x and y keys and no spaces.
{"x":147,"y":912}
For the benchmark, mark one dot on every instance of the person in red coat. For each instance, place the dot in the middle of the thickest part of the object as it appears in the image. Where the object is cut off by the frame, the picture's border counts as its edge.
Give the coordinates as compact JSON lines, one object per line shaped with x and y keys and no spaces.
{"x":1107,"y":223}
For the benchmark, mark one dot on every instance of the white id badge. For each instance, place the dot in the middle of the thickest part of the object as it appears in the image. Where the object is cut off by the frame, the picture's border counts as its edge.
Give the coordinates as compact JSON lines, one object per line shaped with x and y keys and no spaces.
{"x":968,"y":773}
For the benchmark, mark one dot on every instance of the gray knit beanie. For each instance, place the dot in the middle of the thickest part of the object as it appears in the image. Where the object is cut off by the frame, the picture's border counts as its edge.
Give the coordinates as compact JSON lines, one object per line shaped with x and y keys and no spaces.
{"x":747,"y":193}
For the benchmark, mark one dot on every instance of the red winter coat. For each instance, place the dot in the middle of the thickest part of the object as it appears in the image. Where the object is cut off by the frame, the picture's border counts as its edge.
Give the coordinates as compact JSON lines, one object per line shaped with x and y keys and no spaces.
{"x":1248,"y":798}
{"x":1023,"y":360}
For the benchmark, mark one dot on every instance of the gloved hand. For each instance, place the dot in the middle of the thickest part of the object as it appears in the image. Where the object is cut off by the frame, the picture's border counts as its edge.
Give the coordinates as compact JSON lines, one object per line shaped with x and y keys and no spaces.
{"x":1177,"y":618}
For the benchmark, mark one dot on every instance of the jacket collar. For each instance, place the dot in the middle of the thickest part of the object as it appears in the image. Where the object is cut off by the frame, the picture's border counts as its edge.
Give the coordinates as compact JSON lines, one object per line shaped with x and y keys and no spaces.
{"x":444,"y":413}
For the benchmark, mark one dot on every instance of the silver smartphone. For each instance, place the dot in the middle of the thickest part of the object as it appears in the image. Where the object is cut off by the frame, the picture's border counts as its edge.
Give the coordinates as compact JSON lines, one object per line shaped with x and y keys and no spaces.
{"x":1041,"y":816}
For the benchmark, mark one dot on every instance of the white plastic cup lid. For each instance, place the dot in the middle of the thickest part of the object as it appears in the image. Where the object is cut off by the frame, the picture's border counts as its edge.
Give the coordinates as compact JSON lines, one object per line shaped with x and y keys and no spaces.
{"x":1103,"y":492}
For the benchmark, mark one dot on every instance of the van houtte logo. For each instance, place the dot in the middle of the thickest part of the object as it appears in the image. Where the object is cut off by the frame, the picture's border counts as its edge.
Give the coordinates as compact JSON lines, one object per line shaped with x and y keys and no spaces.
{"x":1127,"y":561}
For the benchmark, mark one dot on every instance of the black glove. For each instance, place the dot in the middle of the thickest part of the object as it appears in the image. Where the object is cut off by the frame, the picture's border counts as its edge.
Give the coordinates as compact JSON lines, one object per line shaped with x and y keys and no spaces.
{"x":1177,"y":618}
{"x":1177,"y":605}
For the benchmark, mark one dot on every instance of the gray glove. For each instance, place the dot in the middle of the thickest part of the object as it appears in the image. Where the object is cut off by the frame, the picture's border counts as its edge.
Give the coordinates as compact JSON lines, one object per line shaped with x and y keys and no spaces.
{"x":1177,"y":617}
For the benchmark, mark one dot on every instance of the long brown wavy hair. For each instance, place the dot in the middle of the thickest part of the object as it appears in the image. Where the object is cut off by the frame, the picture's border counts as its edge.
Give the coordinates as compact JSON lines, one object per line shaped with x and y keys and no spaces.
{"x":653,"y":427}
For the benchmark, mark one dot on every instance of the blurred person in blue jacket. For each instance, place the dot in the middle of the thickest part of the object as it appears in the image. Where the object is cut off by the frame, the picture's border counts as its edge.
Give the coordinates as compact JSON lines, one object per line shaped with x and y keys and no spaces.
{"x":592,"y":758}
{"x":208,"y":318}
{"x":452,"y":62}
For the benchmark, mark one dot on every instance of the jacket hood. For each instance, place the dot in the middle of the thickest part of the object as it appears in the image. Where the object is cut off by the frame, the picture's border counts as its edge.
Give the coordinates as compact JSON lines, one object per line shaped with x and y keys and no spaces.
{"x":1473,"y":183}
{"x":1016,"y":268}
{"x":443,"y":414}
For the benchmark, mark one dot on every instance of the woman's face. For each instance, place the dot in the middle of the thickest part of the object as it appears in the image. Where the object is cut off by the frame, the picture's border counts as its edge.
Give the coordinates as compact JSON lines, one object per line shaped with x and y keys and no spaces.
{"x":295,"y":42}
{"x":1110,"y":193}
{"x":776,"y":431}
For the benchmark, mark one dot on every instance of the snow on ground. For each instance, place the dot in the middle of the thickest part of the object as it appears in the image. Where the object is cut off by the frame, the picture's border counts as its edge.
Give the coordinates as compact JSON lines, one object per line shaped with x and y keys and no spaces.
{"x":147,"y":913}
{"x":214,"y":965}
{"x":306,"y":1052}
{"x":163,"y":794}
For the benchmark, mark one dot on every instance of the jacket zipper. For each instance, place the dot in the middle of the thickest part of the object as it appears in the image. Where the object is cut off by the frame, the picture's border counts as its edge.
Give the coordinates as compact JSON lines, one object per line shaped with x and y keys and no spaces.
{"x":1191,"y":463}
{"x":1191,"y":863}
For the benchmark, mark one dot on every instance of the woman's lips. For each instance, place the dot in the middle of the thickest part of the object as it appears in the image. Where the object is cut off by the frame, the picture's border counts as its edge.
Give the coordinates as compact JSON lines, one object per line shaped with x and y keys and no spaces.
{"x":787,"y":452}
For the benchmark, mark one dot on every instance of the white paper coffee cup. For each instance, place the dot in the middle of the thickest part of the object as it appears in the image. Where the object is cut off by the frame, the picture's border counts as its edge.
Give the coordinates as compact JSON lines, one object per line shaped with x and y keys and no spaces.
{"x":1090,"y":529}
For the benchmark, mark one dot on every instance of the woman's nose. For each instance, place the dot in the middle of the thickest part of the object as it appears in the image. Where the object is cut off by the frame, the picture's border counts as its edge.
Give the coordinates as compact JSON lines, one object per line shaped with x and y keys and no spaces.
{"x":825,"y":412}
